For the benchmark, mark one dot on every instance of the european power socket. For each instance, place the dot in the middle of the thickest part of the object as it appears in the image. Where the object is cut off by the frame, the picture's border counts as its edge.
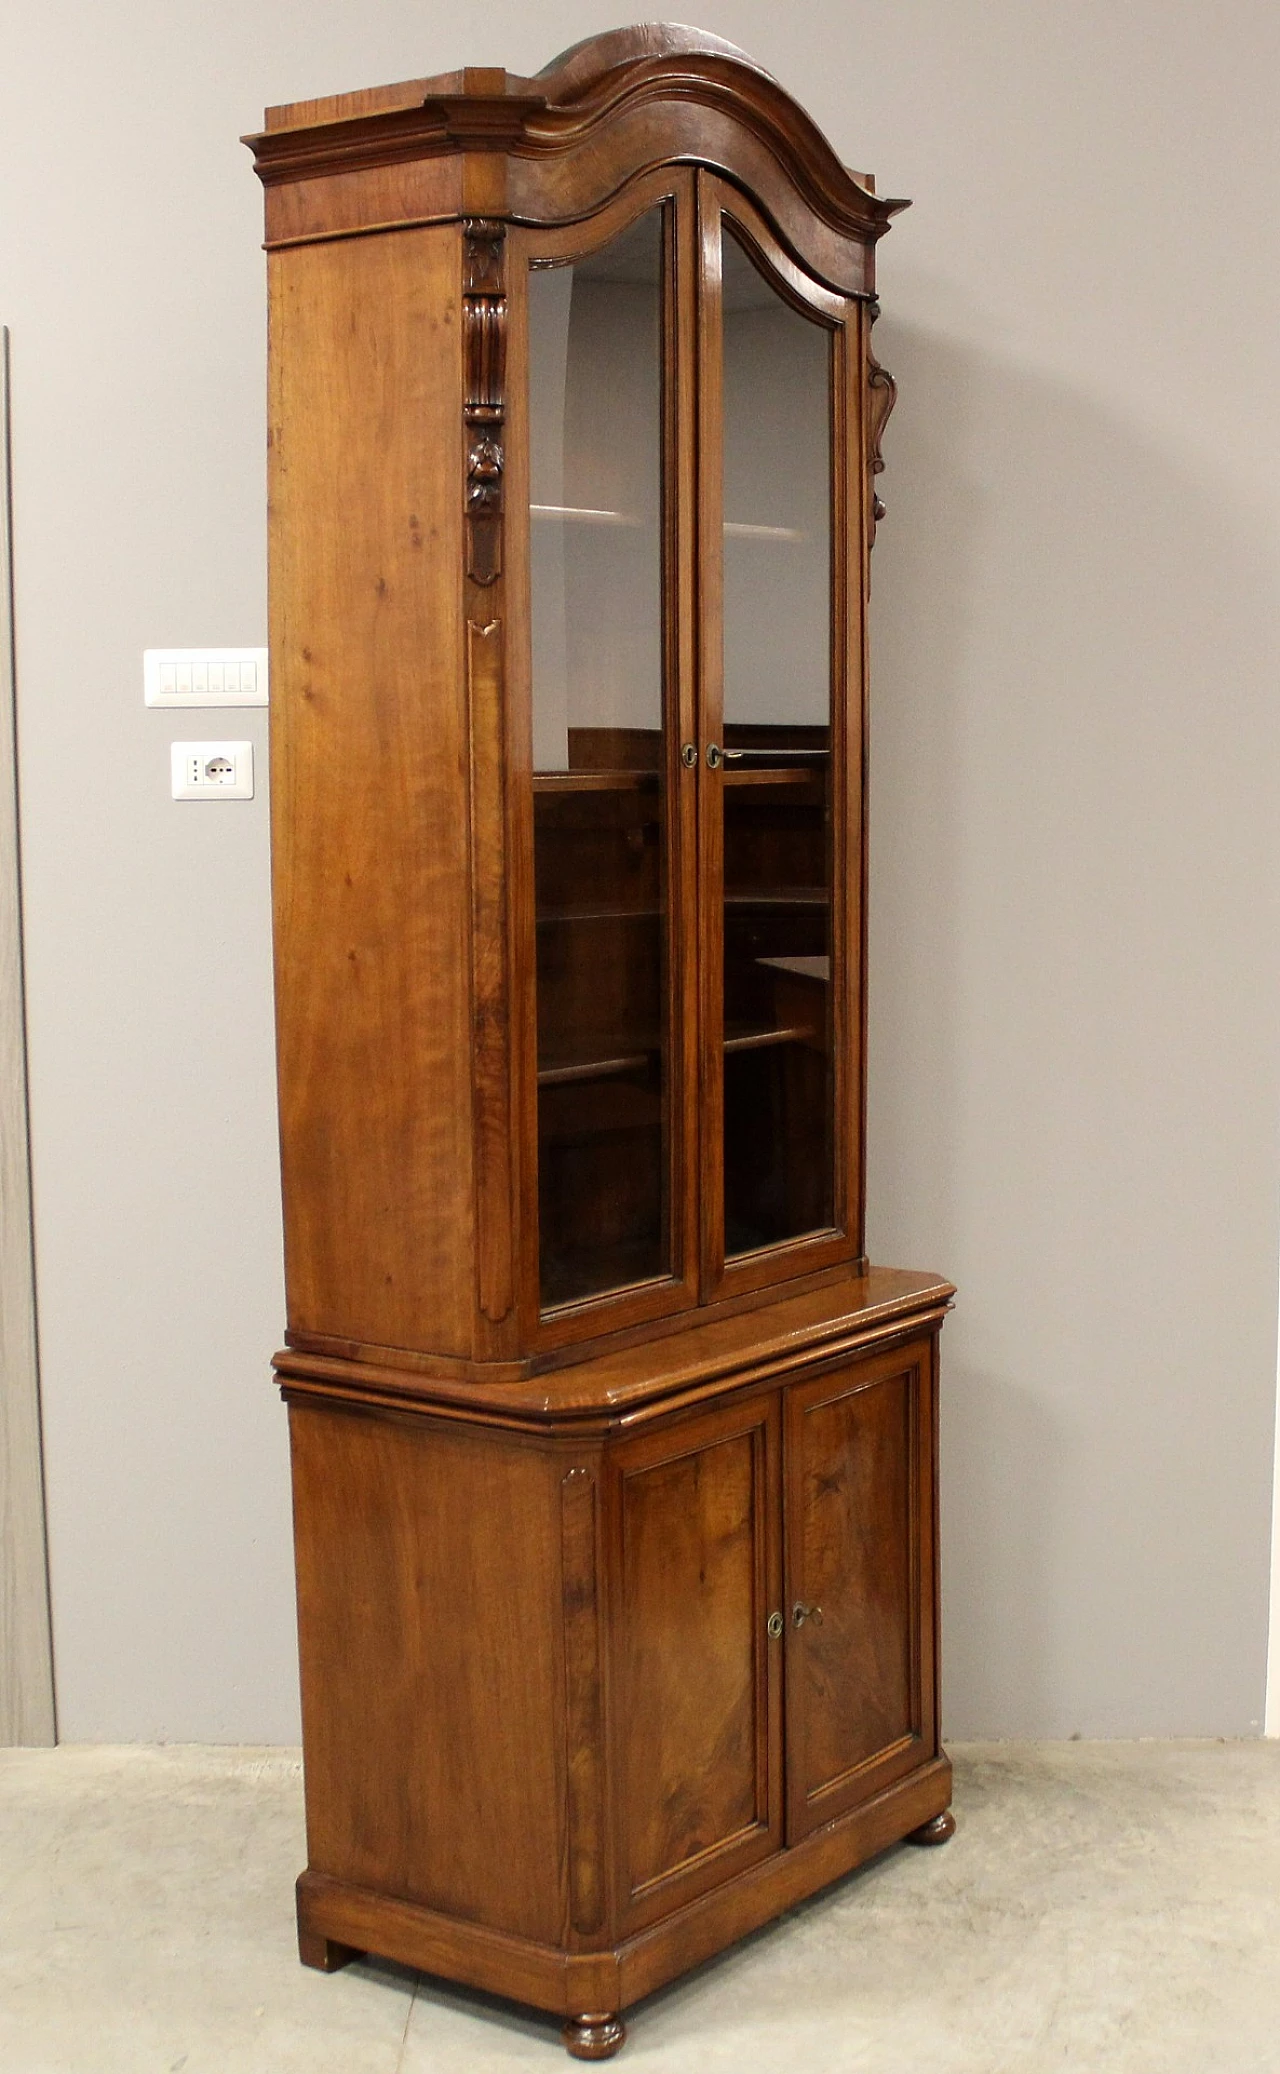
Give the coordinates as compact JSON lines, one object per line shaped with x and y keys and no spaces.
{"x":211,"y":770}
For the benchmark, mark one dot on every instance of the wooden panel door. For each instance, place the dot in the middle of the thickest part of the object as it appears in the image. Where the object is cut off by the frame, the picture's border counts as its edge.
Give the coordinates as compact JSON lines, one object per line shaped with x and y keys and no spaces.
{"x":861,"y":1618}
{"x":696,"y":1684}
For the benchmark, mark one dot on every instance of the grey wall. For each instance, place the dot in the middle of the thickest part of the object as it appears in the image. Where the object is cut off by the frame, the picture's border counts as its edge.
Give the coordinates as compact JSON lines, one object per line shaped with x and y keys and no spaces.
{"x":1074,"y":1092}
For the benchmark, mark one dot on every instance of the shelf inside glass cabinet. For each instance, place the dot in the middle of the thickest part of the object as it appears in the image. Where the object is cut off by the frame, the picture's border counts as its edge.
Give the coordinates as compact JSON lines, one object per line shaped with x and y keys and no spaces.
{"x":546,"y":783}
{"x":585,"y":515}
{"x":607,"y":1061}
{"x":614,"y":1061}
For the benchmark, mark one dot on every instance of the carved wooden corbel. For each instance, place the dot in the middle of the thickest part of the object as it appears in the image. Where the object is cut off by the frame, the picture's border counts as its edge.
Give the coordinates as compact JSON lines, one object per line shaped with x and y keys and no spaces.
{"x":881,"y":397}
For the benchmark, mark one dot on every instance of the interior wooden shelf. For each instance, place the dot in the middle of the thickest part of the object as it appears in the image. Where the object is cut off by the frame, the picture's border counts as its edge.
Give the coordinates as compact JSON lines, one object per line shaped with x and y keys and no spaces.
{"x":613,"y":1063}
{"x":610,"y":1068}
{"x":815,"y":969}
{"x":551,"y":782}
{"x":763,"y":755}
{"x":790,"y":902}
{"x":587,"y":515}
{"x":772,"y":778}
{"x":740,"y":529}
{"x":796,"y":898}
{"x":599,"y":914}
{"x":765,"y":1040}
{"x":593,"y":781}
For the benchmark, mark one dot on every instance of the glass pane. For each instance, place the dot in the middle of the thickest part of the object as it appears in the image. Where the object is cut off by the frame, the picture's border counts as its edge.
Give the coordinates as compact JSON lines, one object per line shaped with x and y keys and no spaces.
{"x":596,"y":441}
{"x":778,"y":1083}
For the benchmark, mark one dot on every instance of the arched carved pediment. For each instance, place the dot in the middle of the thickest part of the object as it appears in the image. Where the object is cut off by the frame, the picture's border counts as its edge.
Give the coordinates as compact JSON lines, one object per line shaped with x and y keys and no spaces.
{"x":632,"y":98}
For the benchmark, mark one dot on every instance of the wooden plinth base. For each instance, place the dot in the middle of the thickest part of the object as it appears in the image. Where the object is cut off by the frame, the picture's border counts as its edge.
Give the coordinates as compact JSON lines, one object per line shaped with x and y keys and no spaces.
{"x":336,"y":1921}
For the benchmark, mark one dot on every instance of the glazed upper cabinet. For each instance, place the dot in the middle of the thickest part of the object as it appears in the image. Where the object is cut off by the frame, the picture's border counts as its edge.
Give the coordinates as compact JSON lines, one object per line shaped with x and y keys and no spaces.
{"x":693,"y":405}
{"x":568,"y":756}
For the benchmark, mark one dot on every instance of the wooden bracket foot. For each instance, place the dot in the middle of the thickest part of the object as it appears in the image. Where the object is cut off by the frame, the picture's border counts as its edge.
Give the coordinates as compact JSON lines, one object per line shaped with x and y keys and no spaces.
{"x":322,"y":1952}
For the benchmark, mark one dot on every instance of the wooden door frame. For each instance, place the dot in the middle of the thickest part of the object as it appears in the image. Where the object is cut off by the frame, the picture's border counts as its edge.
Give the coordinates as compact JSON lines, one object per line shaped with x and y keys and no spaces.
{"x":914,"y":1362}
{"x":26,"y":1650}
{"x":757,"y":1418}
{"x":840,"y":314}
{"x":670,"y":187}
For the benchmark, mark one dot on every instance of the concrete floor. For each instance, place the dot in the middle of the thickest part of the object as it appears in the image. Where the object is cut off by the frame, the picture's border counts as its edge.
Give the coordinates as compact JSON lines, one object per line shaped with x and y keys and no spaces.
{"x":1112,"y":1908}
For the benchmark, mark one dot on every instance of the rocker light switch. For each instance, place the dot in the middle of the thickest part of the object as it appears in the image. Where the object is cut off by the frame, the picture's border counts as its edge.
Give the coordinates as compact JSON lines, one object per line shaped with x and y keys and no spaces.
{"x":204,"y":676}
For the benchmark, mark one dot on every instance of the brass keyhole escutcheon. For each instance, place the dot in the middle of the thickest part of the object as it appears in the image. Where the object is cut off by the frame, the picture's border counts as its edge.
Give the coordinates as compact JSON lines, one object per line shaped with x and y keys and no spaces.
{"x":689,"y":755}
{"x":799,"y":1615}
{"x":776,"y":1625}
{"x":714,"y":756}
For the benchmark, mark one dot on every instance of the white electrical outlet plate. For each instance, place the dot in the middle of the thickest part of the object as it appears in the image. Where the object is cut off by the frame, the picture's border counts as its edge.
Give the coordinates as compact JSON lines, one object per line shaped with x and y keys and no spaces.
{"x":211,"y":770}
{"x":204,"y":676}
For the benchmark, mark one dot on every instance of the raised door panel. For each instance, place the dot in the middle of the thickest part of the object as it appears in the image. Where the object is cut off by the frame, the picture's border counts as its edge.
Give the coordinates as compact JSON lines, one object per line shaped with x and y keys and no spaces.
{"x":696,"y":1675}
{"x":861,"y":1689}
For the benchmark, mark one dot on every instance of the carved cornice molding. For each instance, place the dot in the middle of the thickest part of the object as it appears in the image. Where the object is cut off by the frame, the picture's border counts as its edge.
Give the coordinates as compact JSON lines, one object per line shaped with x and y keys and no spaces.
{"x":668,"y":77}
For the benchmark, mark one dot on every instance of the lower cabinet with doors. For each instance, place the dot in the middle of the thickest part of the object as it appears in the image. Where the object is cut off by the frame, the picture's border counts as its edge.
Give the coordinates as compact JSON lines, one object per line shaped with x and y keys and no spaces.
{"x":605,"y":1669}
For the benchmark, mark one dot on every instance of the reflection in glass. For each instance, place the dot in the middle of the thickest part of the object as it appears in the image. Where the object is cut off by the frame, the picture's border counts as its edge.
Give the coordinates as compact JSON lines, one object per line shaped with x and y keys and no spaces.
{"x":596,"y":441}
{"x":778,"y":1079}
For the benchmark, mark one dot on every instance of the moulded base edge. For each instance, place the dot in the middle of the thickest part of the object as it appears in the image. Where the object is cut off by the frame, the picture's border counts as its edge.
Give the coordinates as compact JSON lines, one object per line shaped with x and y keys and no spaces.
{"x":568,"y":1982}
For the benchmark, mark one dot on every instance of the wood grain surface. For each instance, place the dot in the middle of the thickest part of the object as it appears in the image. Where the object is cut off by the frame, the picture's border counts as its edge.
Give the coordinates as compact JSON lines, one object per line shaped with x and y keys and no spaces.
{"x":368,"y":790}
{"x":696,"y":1677}
{"x":860,"y":1669}
{"x":429,"y":1623}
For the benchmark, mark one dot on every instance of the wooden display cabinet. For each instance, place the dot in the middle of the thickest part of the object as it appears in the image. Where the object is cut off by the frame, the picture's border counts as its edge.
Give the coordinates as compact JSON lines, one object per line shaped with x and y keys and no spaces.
{"x":614,"y":1461}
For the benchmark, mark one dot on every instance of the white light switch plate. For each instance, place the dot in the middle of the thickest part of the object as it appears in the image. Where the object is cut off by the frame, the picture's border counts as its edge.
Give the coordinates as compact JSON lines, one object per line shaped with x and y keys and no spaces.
{"x":204,"y":676}
{"x":211,"y":770}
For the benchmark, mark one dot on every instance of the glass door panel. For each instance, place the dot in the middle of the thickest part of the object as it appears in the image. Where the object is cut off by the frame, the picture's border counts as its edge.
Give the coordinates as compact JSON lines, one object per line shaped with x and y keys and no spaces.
{"x":778,"y":942}
{"x":601,"y":848}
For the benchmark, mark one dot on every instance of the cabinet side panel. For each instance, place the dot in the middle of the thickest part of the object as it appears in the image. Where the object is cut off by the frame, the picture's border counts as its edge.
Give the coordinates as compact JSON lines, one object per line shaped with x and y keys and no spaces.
{"x":428,"y":1594}
{"x":369,"y":793}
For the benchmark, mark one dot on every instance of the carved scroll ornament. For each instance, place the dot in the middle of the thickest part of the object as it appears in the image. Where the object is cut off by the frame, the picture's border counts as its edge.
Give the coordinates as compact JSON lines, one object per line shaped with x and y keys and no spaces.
{"x":484,"y":320}
{"x":882,"y":394}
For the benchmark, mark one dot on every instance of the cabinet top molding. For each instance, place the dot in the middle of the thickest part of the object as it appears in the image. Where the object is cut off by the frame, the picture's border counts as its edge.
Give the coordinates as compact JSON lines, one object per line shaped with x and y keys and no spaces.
{"x":679,"y":94}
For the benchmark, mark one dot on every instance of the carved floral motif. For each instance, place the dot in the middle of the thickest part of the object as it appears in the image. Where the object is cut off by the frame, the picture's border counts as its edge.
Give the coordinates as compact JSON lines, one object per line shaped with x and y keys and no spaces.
{"x":484,"y":320}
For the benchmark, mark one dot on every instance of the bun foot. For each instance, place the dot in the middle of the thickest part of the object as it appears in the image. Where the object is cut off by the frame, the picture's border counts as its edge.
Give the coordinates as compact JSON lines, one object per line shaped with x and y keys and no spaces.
{"x":935,"y":1832}
{"x":593,"y":2037}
